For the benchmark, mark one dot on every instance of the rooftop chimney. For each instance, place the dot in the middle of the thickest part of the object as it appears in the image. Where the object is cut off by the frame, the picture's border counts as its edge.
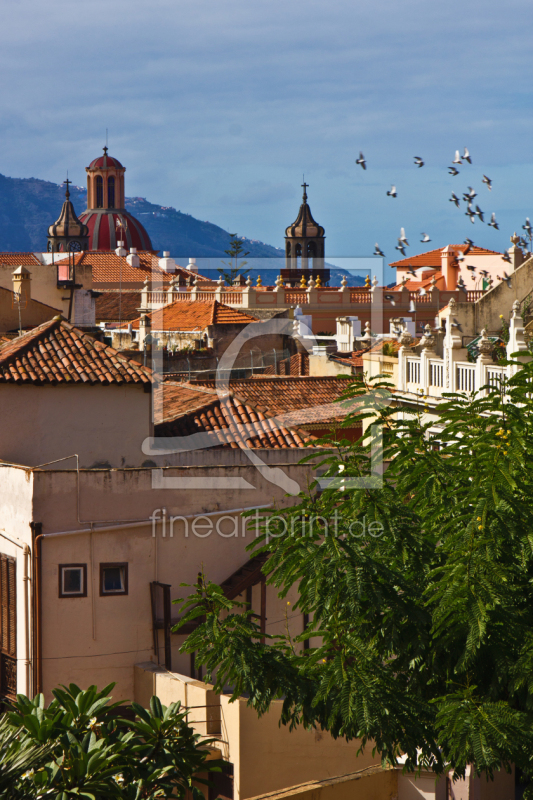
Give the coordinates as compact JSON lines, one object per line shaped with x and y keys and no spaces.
{"x":166,"y":263}
{"x":191,"y":266}
{"x":120,"y":249}
{"x":22,"y":284}
{"x":133,"y":258}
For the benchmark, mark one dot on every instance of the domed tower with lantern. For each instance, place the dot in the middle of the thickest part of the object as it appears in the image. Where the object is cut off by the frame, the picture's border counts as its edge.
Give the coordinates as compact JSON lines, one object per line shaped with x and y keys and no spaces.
{"x":304,"y":248}
{"x":106,"y":216}
{"x":68,"y":233}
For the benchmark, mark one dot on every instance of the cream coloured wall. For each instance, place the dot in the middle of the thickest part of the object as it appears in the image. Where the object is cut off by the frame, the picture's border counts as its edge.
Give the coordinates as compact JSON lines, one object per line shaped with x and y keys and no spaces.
{"x":44,"y":283}
{"x":102,"y":424}
{"x":99,"y":639}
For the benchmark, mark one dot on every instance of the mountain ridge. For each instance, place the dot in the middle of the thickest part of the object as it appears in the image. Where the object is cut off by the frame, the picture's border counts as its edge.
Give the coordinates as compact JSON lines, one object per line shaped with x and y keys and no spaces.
{"x":29,"y":205}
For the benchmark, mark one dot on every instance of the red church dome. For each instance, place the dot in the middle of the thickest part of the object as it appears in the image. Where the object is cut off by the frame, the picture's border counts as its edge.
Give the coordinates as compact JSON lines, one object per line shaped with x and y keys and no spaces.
{"x":107,"y":228}
{"x":106,"y":216}
{"x":105,"y":161}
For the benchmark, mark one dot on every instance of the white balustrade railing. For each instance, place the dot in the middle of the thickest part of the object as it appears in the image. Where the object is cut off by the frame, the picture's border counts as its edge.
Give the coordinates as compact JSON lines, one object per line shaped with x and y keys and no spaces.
{"x":465,"y":377}
{"x":436,"y":374}
{"x":413,"y":370}
{"x":494,"y":376}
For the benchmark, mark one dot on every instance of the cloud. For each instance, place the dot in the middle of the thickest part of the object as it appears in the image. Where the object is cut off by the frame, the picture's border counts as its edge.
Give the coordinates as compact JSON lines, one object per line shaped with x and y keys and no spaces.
{"x":218,"y":108}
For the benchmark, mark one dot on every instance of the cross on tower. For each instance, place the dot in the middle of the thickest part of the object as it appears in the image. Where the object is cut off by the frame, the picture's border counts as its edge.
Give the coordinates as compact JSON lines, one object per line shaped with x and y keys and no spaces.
{"x":67,"y":182}
{"x":304,"y":187}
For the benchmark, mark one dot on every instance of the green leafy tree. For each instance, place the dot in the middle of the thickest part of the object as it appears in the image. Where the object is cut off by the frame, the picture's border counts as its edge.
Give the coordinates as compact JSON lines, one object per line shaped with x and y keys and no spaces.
{"x":422,"y":627}
{"x":79,"y":748}
{"x":235,"y":252}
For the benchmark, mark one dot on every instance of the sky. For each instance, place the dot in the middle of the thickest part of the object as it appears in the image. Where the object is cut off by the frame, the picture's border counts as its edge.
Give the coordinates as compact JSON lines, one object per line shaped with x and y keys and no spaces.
{"x":219,"y":107}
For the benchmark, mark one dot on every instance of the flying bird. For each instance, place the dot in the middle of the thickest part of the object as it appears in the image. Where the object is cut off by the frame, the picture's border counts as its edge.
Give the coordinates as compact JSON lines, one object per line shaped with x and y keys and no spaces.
{"x":378,"y":251}
{"x":457,"y":159}
{"x":472,"y":269}
{"x":522,"y":242}
{"x":390,"y":298}
{"x":484,"y":273}
{"x":412,"y":307}
{"x":461,"y":284}
{"x":506,"y":257}
{"x":507,"y":279}
{"x":488,"y":182}
{"x":392,"y":192}
{"x":400,"y":247}
{"x":361,"y":160}
{"x":479,"y":213}
{"x":456,"y":324}
{"x":493,"y":223}
{"x":411,"y":271}
{"x":453,"y":171}
{"x":466,"y":156}
{"x":470,"y":213}
{"x":418,"y":161}
{"x":469,"y":196}
{"x":402,"y":238}
{"x":460,"y":256}
{"x":527,"y":227}
{"x":455,"y":199}
{"x":422,"y":292}
{"x":469,"y":244}
{"x":426,"y":237}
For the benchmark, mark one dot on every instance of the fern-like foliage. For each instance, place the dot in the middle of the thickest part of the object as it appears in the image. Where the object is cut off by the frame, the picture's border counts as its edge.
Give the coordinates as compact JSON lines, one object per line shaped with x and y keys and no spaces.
{"x":425,"y":632}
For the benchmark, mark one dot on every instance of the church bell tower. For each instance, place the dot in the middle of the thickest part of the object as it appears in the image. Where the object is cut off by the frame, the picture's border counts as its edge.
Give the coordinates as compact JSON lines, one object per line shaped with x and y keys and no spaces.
{"x":304,"y":248}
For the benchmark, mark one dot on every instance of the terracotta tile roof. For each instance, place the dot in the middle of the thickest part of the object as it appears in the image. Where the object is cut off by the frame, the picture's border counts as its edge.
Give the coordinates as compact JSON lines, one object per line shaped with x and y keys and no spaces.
{"x":296,"y":365}
{"x":18,"y":259}
{"x":293,"y":400}
{"x":224,"y":422}
{"x":196,"y":315}
{"x":433,"y":257}
{"x":108,"y":268}
{"x":112,"y":306}
{"x":58,"y":353}
{"x":354,"y":359}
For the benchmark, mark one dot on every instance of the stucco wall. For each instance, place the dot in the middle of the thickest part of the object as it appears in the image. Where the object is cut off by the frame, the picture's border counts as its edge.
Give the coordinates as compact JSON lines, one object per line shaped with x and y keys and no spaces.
{"x":101,"y":638}
{"x":31,"y":315}
{"x":102,"y":424}
{"x":44,"y":283}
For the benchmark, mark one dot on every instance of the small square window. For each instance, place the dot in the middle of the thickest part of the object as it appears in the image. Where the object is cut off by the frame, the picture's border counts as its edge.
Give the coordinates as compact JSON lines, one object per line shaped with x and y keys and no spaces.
{"x":73,"y":580}
{"x":114,"y":578}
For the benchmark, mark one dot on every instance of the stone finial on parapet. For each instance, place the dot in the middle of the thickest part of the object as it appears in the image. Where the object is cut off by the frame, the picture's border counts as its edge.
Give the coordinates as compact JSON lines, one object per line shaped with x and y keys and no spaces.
{"x":517,"y":340}
{"x":485,"y":348}
{"x":406,"y":339}
{"x":367,"y":336}
{"x":515,"y":252}
{"x":427,"y":341}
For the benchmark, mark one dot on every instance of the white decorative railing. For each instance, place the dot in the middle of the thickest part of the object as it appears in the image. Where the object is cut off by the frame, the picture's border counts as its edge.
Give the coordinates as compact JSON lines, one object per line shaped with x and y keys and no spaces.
{"x":413,"y":370}
{"x":465,"y":377}
{"x":436,"y":374}
{"x":494,"y":376}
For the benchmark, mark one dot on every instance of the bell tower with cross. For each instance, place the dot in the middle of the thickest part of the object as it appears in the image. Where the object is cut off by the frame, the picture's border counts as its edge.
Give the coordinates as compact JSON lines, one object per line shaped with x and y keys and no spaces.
{"x":68,"y":233}
{"x":304,"y":247}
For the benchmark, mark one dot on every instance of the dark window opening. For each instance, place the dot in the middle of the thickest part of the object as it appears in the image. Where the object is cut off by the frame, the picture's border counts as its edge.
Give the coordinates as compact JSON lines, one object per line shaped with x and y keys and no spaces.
{"x":114,"y":578}
{"x":111,"y":192}
{"x":73,"y":580}
{"x":99,"y":192}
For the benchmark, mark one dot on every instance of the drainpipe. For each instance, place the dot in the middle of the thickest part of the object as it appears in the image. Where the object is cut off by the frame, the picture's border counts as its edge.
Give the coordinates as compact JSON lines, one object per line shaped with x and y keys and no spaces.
{"x":36,"y":528}
{"x":27,"y":623}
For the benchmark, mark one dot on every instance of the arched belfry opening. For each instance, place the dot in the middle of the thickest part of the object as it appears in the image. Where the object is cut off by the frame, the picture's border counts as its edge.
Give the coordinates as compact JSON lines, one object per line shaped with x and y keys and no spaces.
{"x":304,"y":248}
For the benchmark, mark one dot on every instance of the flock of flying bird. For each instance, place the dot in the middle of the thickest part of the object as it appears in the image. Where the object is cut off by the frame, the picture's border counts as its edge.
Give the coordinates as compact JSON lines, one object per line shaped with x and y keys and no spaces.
{"x":471,"y":212}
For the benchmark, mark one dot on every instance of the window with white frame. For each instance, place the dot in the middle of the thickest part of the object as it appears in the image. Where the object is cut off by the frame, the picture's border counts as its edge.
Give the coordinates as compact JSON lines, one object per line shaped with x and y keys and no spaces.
{"x":114,"y":578}
{"x":73,"y":580}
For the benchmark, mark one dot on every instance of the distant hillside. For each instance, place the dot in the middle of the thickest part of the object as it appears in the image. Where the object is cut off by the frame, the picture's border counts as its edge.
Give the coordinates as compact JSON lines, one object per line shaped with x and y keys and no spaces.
{"x":28,"y":206}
